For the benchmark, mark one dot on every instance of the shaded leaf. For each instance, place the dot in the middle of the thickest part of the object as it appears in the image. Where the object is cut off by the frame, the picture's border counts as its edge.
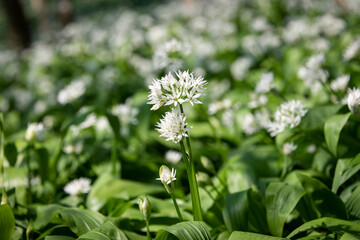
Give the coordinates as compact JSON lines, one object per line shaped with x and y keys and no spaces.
{"x":280,"y":199}
{"x":236,"y":211}
{"x":251,"y":236}
{"x":331,"y":224}
{"x":184,"y":231}
{"x":59,"y":238}
{"x":107,"y":231}
{"x":345,"y":169}
{"x":11,"y":153}
{"x":353,"y":203}
{"x":332,"y":130}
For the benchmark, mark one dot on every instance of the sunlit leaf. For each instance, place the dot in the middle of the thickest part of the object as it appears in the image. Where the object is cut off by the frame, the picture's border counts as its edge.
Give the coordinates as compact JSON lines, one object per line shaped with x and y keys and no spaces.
{"x":345,"y":169}
{"x":332,"y":130}
{"x":185,"y":231}
{"x":252,"y":236}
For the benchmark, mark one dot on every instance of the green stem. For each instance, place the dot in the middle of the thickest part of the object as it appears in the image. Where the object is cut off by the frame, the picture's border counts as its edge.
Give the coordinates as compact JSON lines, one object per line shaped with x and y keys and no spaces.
{"x":114,"y":157}
{"x":195,"y":199}
{"x":148,"y":230}
{"x":284,"y":167}
{"x":175,"y":203}
{"x":27,"y":159}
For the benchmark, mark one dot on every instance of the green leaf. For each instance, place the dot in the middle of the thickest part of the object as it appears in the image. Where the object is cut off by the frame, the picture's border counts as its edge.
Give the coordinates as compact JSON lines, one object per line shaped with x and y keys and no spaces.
{"x":345,"y":169}
{"x":347,"y":236}
{"x":251,"y":236}
{"x":44,"y":214}
{"x":11,"y":153}
{"x":280,"y":199}
{"x":43,"y":161}
{"x":81,"y":221}
{"x":332,"y":130}
{"x":326,"y":202}
{"x":316,"y":117}
{"x":117,"y":188}
{"x":236,"y":211}
{"x":184,"y":231}
{"x":59,"y":238}
{"x":7,"y":222}
{"x":331,"y":224}
{"x":107,"y":231}
{"x":114,"y":123}
{"x":353,"y":203}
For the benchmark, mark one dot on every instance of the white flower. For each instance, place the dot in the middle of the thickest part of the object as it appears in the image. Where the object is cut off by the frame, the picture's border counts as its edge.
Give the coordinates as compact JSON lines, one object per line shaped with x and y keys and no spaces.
{"x":330,"y":25}
{"x":289,"y":147}
{"x":240,"y":68}
{"x":219,"y":106}
{"x":257,"y":100}
{"x":173,"y":126}
{"x":353,"y":100}
{"x":78,"y":186}
{"x":289,"y":114}
{"x":311,"y":148}
{"x":170,"y":90}
{"x":249,"y":124}
{"x":352,"y":50}
{"x":266,"y":83}
{"x":127,"y":115}
{"x":71,"y":92}
{"x":173,"y":156}
{"x":35,"y":131}
{"x":312,"y":73}
{"x":166,"y":176}
{"x":340,"y":83}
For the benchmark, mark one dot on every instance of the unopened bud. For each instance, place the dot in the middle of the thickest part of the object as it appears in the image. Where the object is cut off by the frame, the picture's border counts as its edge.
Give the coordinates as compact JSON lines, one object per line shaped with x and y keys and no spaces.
{"x":145,"y":207}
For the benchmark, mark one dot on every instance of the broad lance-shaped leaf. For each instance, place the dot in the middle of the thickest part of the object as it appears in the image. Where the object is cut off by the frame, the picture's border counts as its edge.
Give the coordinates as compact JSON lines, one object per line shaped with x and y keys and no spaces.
{"x":57,"y":237}
{"x":193,"y":230}
{"x":81,"y":221}
{"x":107,"y":231}
{"x":280,"y":199}
{"x":331,"y":224}
{"x":252,"y":236}
{"x":332,"y":130}
{"x":7,"y":222}
{"x":345,"y":169}
{"x":353,"y":203}
{"x":242,"y":211}
{"x":347,"y":236}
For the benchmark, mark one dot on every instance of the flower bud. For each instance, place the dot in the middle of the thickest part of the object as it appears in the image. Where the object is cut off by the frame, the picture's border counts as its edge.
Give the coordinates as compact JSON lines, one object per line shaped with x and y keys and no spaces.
{"x":166,"y":177}
{"x":145,"y":207}
{"x":353,"y":101}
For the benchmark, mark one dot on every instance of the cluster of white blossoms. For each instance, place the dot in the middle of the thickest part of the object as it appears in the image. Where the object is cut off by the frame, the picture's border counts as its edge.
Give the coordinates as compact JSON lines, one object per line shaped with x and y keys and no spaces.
{"x":312,"y":73}
{"x":340,"y":83}
{"x":71,"y":92}
{"x":289,"y":147}
{"x":176,"y":90}
{"x":173,"y":156}
{"x":35,"y":131}
{"x":289,"y":114}
{"x":353,"y":101}
{"x":78,"y":186}
{"x":266,"y":83}
{"x":127,"y":115}
{"x":173,"y":126}
{"x":240,"y":68}
{"x":352,"y":50}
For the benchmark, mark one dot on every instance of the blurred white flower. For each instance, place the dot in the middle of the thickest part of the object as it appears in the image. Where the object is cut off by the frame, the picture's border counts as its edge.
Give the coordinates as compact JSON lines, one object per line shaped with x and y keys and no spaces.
{"x":35,"y":131}
{"x":257,"y":100}
{"x":289,"y":114}
{"x":266,"y":83}
{"x":71,"y":92}
{"x":289,"y":147}
{"x":340,"y":83}
{"x":173,"y":156}
{"x":170,"y":90}
{"x":311,"y":148}
{"x":330,"y":25}
{"x":74,"y":148}
{"x":353,"y":101}
{"x":312,"y":73}
{"x":78,"y":186}
{"x":173,"y":126}
{"x":260,"y":24}
{"x":219,"y":106}
{"x":127,"y":115}
{"x":249,"y":124}
{"x":352,"y":50}
{"x":240,"y":68}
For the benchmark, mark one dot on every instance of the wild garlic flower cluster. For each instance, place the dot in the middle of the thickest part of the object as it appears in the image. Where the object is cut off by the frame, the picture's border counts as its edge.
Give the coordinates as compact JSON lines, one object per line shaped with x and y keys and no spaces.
{"x":35,"y":131}
{"x":340,"y":83}
{"x":127,"y":116}
{"x":352,"y":50}
{"x":176,"y":90}
{"x":265,"y":84}
{"x":173,"y":156}
{"x":289,"y":114}
{"x":78,"y":186}
{"x":353,"y":101}
{"x":312,"y":73}
{"x":173,"y":126}
{"x":72,"y":92}
{"x":289,"y":147}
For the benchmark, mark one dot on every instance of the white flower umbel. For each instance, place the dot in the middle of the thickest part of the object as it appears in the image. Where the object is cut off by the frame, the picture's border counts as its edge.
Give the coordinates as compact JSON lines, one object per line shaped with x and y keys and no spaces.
{"x":352,"y":50}
{"x":35,"y":131}
{"x":166,"y":177}
{"x":71,"y":92}
{"x":173,"y":126}
{"x":249,"y":124}
{"x":127,"y":116}
{"x":184,"y":87}
{"x":265,"y":84}
{"x":340,"y":83}
{"x":353,"y":101}
{"x":173,"y":156}
{"x":312,"y":73}
{"x":289,"y":114}
{"x":289,"y":147}
{"x":78,"y":186}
